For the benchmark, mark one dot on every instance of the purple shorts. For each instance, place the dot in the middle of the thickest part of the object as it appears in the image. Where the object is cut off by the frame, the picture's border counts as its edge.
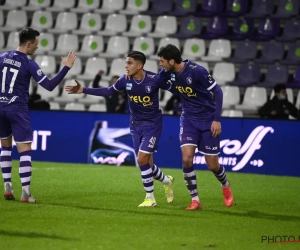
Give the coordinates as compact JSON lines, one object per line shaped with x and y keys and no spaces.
{"x":198,"y":133}
{"x":16,"y":123}
{"x":145,"y":137}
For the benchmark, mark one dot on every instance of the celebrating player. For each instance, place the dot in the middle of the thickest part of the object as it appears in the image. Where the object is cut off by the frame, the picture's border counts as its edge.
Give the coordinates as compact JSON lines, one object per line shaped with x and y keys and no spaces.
{"x":200,"y":119}
{"x":16,"y":70}
{"x":145,"y":121}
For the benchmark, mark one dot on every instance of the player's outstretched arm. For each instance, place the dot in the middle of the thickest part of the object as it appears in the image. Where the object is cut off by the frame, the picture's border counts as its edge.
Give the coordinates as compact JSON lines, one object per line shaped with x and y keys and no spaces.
{"x":47,"y":83}
{"x":78,"y":89}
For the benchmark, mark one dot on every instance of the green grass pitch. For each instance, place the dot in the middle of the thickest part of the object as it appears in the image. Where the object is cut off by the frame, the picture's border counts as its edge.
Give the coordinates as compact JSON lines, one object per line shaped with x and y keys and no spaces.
{"x":91,"y":207}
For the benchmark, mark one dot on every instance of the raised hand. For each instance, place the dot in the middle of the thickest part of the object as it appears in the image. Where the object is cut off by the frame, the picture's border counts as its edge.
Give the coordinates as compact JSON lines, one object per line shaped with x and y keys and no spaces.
{"x":78,"y":89}
{"x":69,"y":61}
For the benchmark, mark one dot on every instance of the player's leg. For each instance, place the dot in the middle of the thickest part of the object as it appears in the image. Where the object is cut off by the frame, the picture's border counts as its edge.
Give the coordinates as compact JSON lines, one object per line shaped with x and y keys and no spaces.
{"x":188,"y":142}
{"x":210,"y":147}
{"x":167,"y":180}
{"x":5,"y":158}
{"x":22,"y":132}
{"x":143,"y":162}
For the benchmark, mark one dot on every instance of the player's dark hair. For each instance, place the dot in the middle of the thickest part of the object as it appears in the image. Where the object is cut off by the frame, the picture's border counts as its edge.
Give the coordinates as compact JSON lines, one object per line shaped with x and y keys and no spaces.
{"x":279,"y":87}
{"x":27,"y":34}
{"x":138,"y":56}
{"x":170,"y":52}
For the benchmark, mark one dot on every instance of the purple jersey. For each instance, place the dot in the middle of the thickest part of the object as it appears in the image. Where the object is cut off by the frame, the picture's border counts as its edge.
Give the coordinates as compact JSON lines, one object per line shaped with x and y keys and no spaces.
{"x":15,"y":72}
{"x":143,"y":95}
{"x":193,"y":85}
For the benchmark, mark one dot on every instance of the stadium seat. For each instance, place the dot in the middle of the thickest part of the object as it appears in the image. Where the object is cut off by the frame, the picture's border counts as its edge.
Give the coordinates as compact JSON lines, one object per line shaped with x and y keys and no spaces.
{"x":65,"y":43}
{"x":91,"y":45}
{"x":90,"y":22}
{"x":160,"y":8}
{"x":219,"y":49}
{"x":163,"y":42}
{"x":293,"y":55}
{"x":140,"y":25}
{"x":248,"y":74}
{"x":13,"y":4}
{"x":65,"y":97}
{"x":1,"y":18}
{"x":243,"y":28}
{"x":85,"y":6}
{"x":12,"y":41}
{"x":291,"y":31}
{"x":92,"y":67}
{"x":42,"y":20}
{"x":268,"y":29}
{"x":75,"y":70}
{"x":298,"y":101}
{"x":65,"y":21}
{"x":272,"y":51}
{"x":165,"y":25}
{"x":117,"y":68}
{"x":46,"y":43}
{"x":144,"y":44}
{"x":203,"y":64}
{"x":254,"y":98}
{"x":261,"y":8}
{"x":244,"y":51}
{"x":190,"y":27}
{"x":74,"y":107}
{"x":111,"y":6}
{"x":59,"y":5}
{"x":15,"y":20}
{"x":223,"y":72}
{"x":295,"y":83}
{"x":2,"y":40}
{"x":184,"y":8}
{"x":231,"y":96}
{"x":97,"y":108}
{"x":210,"y":8}
{"x":217,"y":27}
{"x":275,"y":74}
{"x":286,"y":9}
{"x":47,"y":95}
{"x":117,"y":46}
{"x":232,"y":113}
{"x":134,"y":7}
{"x":167,"y":96}
{"x":47,"y":63}
{"x":289,"y":92}
{"x":54,"y":106}
{"x":115,"y":23}
{"x":193,"y":48}
{"x":36,"y":5}
{"x":235,"y":8}
{"x":151,"y":65}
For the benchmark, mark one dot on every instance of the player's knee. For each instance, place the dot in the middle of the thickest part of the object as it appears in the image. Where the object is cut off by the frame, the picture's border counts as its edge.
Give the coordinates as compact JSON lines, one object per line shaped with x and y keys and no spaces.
{"x":143,"y":159}
{"x":212,"y":162}
{"x":187,"y":160}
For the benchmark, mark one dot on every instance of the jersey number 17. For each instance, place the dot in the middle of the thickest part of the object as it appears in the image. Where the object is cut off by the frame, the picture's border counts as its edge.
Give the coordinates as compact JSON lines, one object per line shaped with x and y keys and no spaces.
{"x":12,"y":83}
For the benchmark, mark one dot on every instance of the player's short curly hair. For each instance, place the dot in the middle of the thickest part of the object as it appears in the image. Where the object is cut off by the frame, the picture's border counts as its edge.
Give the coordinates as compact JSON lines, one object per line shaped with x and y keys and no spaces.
{"x":138,"y":56}
{"x":170,"y":52}
{"x":27,"y":34}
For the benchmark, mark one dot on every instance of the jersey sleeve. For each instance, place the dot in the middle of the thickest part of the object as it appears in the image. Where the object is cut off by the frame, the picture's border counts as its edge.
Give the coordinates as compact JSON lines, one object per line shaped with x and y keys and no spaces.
{"x":120,"y":84}
{"x":205,"y":78}
{"x":36,"y":72}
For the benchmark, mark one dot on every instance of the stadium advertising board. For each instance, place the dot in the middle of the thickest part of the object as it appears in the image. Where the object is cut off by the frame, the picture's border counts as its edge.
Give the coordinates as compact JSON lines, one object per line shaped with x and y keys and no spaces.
{"x":247,"y":145}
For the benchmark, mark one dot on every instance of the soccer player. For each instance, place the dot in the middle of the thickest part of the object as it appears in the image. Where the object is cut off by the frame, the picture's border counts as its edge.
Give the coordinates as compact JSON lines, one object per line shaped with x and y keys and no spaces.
{"x":15,"y":71}
{"x":145,"y":120}
{"x":200,"y":119}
